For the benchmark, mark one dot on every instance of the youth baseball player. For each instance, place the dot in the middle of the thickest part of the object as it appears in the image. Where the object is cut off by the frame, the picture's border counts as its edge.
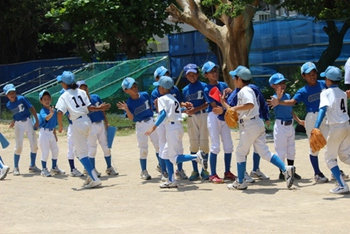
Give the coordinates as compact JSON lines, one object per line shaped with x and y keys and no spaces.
{"x":263,"y":114}
{"x":78,"y":104}
{"x":180,"y":173}
{"x":138,"y":109}
{"x":251,"y":130}
{"x":22,"y":109}
{"x":169,"y":109}
{"x":216,"y":125}
{"x":283,"y":130}
{"x":98,"y":131}
{"x":310,"y":96}
{"x":47,"y":135}
{"x":333,"y":104}
{"x":197,"y":118}
{"x":74,"y":172}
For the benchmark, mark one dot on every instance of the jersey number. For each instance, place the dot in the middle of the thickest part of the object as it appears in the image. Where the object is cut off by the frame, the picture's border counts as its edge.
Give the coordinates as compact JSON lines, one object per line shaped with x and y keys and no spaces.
{"x":177,"y":106}
{"x":76,"y":103}
{"x":342,"y":105}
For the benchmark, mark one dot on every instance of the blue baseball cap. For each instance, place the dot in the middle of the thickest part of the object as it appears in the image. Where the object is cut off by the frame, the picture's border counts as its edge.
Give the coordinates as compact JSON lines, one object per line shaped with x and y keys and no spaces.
{"x":165,"y":82}
{"x":208,"y":66}
{"x":42,"y":93}
{"x":160,"y":71}
{"x":242,"y":72}
{"x":128,"y":83}
{"x":333,"y":73}
{"x":8,"y":88}
{"x":307,"y":67}
{"x":276,"y":79}
{"x":59,"y":78}
{"x":68,"y":77}
{"x":81,"y":82}
{"x":191,"y":67}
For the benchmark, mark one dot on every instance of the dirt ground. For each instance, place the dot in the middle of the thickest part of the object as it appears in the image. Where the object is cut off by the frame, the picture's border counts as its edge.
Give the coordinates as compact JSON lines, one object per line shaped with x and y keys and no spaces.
{"x":31,"y":203}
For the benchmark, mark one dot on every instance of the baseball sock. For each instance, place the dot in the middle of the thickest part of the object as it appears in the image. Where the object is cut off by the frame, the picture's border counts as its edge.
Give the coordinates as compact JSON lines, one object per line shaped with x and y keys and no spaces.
{"x":275,"y":160}
{"x":1,"y":164}
{"x":88,"y":167}
{"x":143,"y":163}
{"x":290,"y":162}
{"x":162,"y":165}
{"x":170,"y":168}
{"x":256,"y":161}
{"x":314,"y":163}
{"x":71,"y":164}
{"x":336,"y":173}
{"x":92,"y":160}
{"x":54,"y":163}
{"x":32,"y":159}
{"x":43,"y":164}
{"x":1,"y":159}
{"x":195,"y":165}
{"x":158,"y":158}
{"x":183,"y":158}
{"x":16,"y":159}
{"x":108,"y":161}
{"x":212,"y":160}
{"x":241,"y":167}
{"x":227,"y":158}
{"x":205,"y":157}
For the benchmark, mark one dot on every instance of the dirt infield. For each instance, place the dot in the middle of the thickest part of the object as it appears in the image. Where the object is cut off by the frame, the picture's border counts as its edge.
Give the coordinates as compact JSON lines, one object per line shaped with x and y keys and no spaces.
{"x":31,"y":203}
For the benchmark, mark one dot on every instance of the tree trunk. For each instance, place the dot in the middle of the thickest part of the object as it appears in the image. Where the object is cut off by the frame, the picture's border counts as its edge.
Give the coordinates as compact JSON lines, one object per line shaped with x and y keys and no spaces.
{"x":335,"y":45}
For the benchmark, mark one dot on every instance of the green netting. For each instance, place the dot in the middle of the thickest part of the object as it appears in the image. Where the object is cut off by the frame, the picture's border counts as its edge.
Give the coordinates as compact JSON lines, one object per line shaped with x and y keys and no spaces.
{"x":105,"y":79}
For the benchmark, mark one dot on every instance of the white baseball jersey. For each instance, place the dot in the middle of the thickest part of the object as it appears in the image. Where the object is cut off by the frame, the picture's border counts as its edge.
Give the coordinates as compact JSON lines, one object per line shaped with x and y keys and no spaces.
{"x":171,"y":106}
{"x":75,"y":102}
{"x":336,"y":102}
{"x":244,"y":96}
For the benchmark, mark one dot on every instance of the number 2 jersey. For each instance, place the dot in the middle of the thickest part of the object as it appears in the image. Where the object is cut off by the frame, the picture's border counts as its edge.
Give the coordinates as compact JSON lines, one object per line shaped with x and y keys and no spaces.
{"x":335,"y":100}
{"x":75,"y":101}
{"x":171,"y":106}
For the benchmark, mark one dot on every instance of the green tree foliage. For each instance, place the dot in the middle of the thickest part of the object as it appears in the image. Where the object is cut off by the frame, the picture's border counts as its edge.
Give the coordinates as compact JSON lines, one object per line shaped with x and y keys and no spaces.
{"x":120,"y":26}
{"x":330,"y":11}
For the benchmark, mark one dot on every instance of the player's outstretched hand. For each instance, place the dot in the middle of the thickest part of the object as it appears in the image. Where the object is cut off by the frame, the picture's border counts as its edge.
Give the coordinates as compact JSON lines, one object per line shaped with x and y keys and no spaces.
{"x":12,"y":124}
{"x":149,"y":132}
{"x":122,"y":105}
{"x":105,"y":106}
{"x":272,"y":102}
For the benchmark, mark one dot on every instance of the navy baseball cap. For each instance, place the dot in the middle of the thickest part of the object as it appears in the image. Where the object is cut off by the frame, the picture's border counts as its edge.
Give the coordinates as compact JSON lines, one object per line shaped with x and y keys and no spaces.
{"x":160,"y":71}
{"x":242,"y":72}
{"x":208,"y":66}
{"x":191,"y":67}
{"x":165,"y":82}
{"x":81,"y":82}
{"x":128,"y":83}
{"x":307,"y":67}
{"x":276,"y":79}
{"x":42,"y":93}
{"x":333,"y":73}
{"x":68,"y":77}
{"x":8,"y":88}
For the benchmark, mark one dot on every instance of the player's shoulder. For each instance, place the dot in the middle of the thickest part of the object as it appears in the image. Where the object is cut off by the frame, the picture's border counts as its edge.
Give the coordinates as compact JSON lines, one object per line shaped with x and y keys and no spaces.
{"x":144,"y":94}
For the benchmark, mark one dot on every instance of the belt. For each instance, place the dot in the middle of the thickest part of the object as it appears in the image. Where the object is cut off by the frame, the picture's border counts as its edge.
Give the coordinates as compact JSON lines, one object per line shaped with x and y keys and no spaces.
{"x":200,"y":112}
{"x":286,"y":122}
{"x":145,"y":120}
{"x":172,"y":122}
{"x":49,"y":129}
{"x":80,"y":117}
{"x":242,"y":120}
{"x":22,"y":120}
{"x":97,"y":122}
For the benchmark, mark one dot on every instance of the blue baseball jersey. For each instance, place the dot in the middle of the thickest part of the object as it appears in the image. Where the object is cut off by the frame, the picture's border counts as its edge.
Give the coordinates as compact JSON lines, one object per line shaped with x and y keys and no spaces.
{"x":194,"y":93}
{"x":263,"y":107}
{"x":174,"y":91}
{"x":141,"y":107}
{"x":96,"y":116}
{"x":283,"y":112}
{"x":20,"y":108}
{"x":43,"y":123}
{"x":221,"y":86}
{"x":310,"y":95}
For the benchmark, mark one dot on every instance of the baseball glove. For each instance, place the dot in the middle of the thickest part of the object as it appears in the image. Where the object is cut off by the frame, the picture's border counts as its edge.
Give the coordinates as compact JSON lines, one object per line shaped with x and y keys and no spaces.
{"x":317,"y":140}
{"x":231,"y":118}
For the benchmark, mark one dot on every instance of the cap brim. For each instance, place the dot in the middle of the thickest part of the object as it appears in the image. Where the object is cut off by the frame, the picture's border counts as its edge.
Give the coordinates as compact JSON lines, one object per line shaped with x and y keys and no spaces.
{"x":12,"y":89}
{"x":191,"y":70}
{"x":323,"y":74}
{"x":233,"y":73}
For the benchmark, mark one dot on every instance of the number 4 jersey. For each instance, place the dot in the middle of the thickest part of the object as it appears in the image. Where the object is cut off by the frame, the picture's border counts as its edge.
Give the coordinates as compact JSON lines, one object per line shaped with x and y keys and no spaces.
{"x":171,"y":106}
{"x":75,"y":101}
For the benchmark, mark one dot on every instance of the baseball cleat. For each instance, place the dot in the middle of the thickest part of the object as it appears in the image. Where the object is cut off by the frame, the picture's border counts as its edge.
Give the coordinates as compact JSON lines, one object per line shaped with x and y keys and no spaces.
{"x":111,"y":171}
{"x":248,"y":179}
{"x":34,"y":169}
{"x":75,"y":173}
{"x":237,"y":185}
{"x":145,"y":175}
{"x":340,"y":190}
{"x":194,"y":176}
{"x":16,"y":171}
{"x":168,"y":185}
{"x":57,"y":171}
{"x":229,"y":176}
{"x":345,"y":176}
{"x":45,"y":172}
{"x":181,"y":175}
{"x":259,"y":175}
{"x":205,"y":174}
{"x":216,"y":179}
{"x":158,"y":168}
{"x":93,"y":184}
{"x":289,"y":175}
{"x":320,"y":178}
{"x":4,"y":171}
